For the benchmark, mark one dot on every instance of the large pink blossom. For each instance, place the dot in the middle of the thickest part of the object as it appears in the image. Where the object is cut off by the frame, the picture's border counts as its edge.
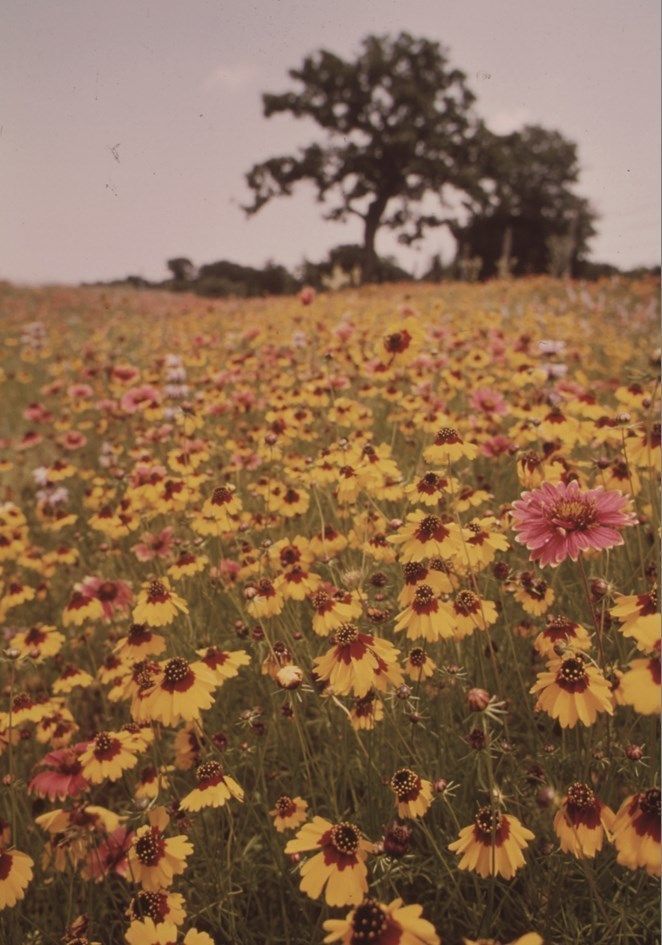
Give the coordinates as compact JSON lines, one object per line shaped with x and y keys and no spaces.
{"x":114,"y":596}
{"x":60,"y":776}
{"x":559,"y":520}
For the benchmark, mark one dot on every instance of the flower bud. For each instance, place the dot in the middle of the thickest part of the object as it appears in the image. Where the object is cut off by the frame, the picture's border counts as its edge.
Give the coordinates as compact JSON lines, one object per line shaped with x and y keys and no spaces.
{"x":478,"y":700}
{"x":289,"y":677}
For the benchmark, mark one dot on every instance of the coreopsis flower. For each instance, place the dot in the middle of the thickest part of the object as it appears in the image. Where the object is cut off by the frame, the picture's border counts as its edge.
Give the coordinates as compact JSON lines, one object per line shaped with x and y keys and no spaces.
{"x":59,"y":775}
{"x":107,"y":756}
{"x":419,"y":664}
{"x":71,"y":678}
{"x":426,"y":536}
{"x":225,"y":664}
{"x":39,"y":642}
{"x":159,"y":906}
{"x":639,"y":686}
{"x":581,"y":821}
{"x":492,"y":845}
{"x":81,"y":607}
{"x":572,"y":690}
{"x":338,"y":867}
{"x":534,"y":594}
{"x":636,"y":832}
{"x":640,"y":618}
{"x":139,"y":642}
{"x":431,"y":487}
{"x":265,"y":600}
{"x":215,"y":787}
{"x":470,"y":612}
{"x":147,"y":932}
{"x":289,"y":812}
{"x":15,"y":876}
{"x":644,"y":449}
{"x":333,"y":610}
{"x":353,"y":663}
{"x":180,"y":692}
{"x":426,"y":617}
{"x":366,"y":712}
{"x":481,"y":543}
{"x":157,"y":604}
{"x":26,"y":708}
{"x":413,"y":794}
{"x":437,"y":573}
{"x":327,"y":543}
{"x":187,"y":564}
{"x":154,"y":859}
{"x":375,"y":923}
{"x":448,"y":446}
{"x":559,"y":521}
{"x":219,"y":512}
{"x":561,"y":631}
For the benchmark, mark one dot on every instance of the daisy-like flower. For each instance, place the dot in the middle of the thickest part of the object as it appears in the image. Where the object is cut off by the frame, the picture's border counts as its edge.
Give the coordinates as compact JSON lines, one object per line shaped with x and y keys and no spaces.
{"x":107,"y":756}
{"x":448,"y":446}
{"x":139,"y":642}
{"x":366,"y":712}
{"x":181,"y":691}
{"x":154,"y":859}
{"x":15,"y":876}
{"x":572,"y":690}
{"x":225,"y":664}
{"x":59,"y":775}
{"x":332,"y":610}
{"x":470,"y":612}
{"x":636,"y":832}
{"x":39,"y":642}
{"x":581,"y":821}
{"x":639,"y":686}
{"x":559,"y":521}
{"x":159,"y":906}
{"x":353,"y":664}
{"x":289,"y":812}
{"x":338,"y":867}
{"x":419,"y":664}
{"x":413,"y":794}
{"x":214,"y":788}
{"x":114,"y":596}
{"x":426,"y":536}
{"x":157,"y":604}
{"x":71,"y":678}
{"x":640,"y":618}
{"x":147,"y":932}
{"x":81,"y":607}
{"x":492,"y":845}
{"x":561,"y":631}
{"x":426,"y":617}
{"x":534,"y":594}
{"x":375,"y":923}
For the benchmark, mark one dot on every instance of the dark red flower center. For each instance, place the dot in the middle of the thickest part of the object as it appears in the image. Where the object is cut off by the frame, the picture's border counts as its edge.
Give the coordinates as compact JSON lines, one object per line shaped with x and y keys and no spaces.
{"x":345,"y":838}
{"x":177,"y":675}
{"x":572,"y":675}
{"x":285,"y":806}
{"x":150,"y":847}
{"x":369,"y":922}
{"x":405,"y":784}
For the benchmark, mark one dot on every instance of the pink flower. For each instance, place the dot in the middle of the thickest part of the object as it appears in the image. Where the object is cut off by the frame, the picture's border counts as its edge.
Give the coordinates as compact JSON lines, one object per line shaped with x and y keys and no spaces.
{"x":488,"y":401}
{"x":154,"y":545}
{"x":137,"y":397}
{"x":558,"y":521}
{"x":113,"y":595}
{"x":110,"y":856}
{"x":62,"y":777}
{"x":496,"y":445}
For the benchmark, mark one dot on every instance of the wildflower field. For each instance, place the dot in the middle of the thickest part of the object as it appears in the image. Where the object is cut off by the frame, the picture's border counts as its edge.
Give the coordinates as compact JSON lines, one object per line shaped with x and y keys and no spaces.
{"x":330,"y":618}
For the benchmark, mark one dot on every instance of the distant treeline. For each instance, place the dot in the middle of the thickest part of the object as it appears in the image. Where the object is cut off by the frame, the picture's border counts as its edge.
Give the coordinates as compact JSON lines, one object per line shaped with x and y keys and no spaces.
{"x":341,"y":268}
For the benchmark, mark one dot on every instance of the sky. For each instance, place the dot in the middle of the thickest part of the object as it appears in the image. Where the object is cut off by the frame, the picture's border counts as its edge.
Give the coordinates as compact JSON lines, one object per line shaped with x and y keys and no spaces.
{"x":126,"y":127}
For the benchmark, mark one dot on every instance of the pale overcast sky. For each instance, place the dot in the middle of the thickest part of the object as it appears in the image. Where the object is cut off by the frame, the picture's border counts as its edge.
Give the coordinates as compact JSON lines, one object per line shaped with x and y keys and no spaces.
{"x":126,"y":126}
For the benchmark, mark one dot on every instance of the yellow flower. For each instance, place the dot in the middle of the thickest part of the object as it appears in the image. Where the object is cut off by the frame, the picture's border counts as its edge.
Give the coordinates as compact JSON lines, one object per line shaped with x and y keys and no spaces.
{"x":157,"y":604}
{"x":159,"y":906}
{"x":492,"y":845}
{"x":353,"y":664}
{"x":338,"y":867}
{"x":289,"y":812}
{"x":413,"y":795}
{"x":448,"y":446}
{"x":640,"y":686}
{"x":15,"y":876}
{"x":426,"y":617}
{"x":380,"y":924}
{"x":180,"y":692}
{"x":581,"y":822}
{"x":366,"y":712}
{"x":572,"y":690}
{"x":225,"y":664}
{"x":426,"y":536}
{"x":154,"y":859}
{"x":564,"y":632}
{"x":640,"y":617}
{"x":636,"y":832}
{"x":213,"y":790}
{"x":107,"y":756}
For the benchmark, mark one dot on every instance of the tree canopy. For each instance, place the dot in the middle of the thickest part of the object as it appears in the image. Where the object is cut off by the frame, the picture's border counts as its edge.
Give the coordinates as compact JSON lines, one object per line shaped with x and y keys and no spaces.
{"x":399,"y":125}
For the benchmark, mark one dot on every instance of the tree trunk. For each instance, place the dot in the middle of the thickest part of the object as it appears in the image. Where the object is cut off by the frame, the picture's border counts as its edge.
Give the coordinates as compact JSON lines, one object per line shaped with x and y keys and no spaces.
{"x":372,"y":220}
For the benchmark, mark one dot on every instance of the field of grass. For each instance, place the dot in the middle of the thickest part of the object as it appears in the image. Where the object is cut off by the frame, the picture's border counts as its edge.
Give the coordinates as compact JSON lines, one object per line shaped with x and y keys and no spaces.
{"x":260,"y":566}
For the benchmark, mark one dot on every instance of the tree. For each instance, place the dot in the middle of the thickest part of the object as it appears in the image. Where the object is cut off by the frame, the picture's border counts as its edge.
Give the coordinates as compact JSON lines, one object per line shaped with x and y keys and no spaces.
{"x":527,"y":218}
{"x":182,"y":269}
{"x":399,"y":125}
